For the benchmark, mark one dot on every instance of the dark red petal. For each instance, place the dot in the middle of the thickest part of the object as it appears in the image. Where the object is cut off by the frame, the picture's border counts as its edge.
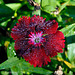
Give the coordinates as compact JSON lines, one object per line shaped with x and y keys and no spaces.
{"x":17,"y":33}
{"x":36,"y":20}
{"x":26,"y":20}
{"x":37,"y":57}
{"x":55,"y":44}
{"x":21,"y":28}
{"x":50,"y":27}
{"x":21,"y":44}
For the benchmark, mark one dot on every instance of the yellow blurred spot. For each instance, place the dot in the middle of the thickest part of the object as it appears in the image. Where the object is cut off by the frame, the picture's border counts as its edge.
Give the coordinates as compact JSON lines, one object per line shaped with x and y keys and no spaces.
{"x":59,"y":59}
{"x":21,"y":0}
{"x":6,"y":43}
{"x":66,"y":25}
{"x":8,"y":29}
{"x":24,"y":72}
{"x":15,"y":14}
{"x":28,"y":73}
{"x":69,"y":64}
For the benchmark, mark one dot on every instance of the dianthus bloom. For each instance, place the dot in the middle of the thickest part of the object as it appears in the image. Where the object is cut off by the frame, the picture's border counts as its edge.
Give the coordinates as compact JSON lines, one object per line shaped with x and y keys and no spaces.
{"x":36,"y":40}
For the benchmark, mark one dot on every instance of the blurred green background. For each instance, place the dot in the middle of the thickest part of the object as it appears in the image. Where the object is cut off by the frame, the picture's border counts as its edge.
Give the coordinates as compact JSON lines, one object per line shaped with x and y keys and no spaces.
{"x":63,"y":11}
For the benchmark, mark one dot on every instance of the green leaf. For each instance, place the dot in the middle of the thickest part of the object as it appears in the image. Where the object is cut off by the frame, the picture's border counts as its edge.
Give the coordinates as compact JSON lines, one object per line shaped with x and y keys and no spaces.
{"x":70,"y":73}
{"x":71,"y":51}
{"x":48,"y":5}
{"x":4,"y":24}
{"x":28,"y":68}
{"x":48,"y":8}
{"x":69,"y":32}
{"x":52,"y":3}
{"x":71,"y":46}
{"x":1,"y":2}
{"x":9,"y":63}
{"x":73,"y":69}
{"x":58,"y":3}
{"x":49,"y":2}
{"x":5,"y":13}
{"x":4,"y":73}
{"x":71,"y":3}
{"x":67,"y":29}
{"x":45,"y":2}
{"x":10,"y":50}
{"x":14,"y":6}
{"x":18,"y":66}
{"x":30,"y":7}
{"x":17,"y":70}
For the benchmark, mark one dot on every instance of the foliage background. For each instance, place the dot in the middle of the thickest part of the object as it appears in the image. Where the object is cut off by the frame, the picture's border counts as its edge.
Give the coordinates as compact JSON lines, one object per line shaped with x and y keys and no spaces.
{"x":63,"y":11}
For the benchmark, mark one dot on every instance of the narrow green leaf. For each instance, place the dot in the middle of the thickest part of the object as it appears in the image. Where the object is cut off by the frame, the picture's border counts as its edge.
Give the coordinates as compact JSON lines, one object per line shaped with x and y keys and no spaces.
{"x":63,"y":6}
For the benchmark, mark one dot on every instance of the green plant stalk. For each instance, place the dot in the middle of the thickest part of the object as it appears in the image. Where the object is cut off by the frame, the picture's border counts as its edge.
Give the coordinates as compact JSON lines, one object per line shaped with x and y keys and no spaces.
{"x":37,"y":12}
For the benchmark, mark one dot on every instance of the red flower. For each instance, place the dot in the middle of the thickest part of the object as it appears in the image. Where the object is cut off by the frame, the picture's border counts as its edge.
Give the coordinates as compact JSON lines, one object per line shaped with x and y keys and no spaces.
{"x":37,"y":40}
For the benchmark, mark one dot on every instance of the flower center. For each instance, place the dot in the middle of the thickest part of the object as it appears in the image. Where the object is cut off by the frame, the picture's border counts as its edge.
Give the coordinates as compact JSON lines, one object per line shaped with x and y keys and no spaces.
{"x":36,"y":38}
